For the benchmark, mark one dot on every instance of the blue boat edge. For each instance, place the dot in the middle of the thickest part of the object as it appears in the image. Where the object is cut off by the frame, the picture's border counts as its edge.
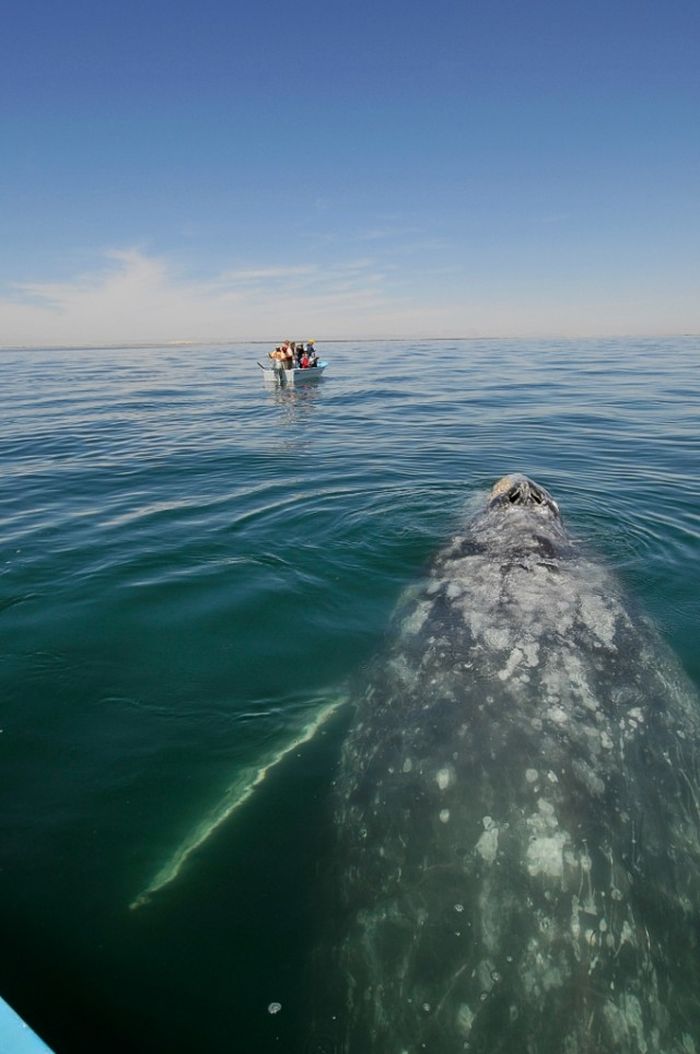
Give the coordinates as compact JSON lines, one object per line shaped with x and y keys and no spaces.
{"x":16,"y":1037}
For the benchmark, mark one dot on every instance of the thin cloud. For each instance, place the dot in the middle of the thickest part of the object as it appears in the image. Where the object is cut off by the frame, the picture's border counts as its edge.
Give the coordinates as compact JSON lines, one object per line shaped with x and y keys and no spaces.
{"x":138,"y":297}
{"x":257,"y":273}
{"x":385,"y":233}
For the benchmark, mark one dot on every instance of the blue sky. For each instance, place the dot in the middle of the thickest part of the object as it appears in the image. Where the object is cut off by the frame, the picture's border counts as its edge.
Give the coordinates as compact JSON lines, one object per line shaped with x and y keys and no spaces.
{"x":215,"y":170}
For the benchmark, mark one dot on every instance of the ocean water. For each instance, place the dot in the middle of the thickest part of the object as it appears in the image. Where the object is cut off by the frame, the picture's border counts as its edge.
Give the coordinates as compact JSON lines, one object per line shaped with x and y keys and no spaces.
{"x":195,"y":570}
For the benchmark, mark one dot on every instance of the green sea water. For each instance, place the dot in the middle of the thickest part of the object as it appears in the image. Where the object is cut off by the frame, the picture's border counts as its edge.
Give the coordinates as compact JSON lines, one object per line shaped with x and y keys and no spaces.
{"x":195,"y":571}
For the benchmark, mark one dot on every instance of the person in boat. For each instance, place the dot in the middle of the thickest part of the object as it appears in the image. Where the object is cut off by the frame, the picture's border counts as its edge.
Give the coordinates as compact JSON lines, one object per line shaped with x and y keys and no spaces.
{"x":278,"y":358}
{"x":311,"y":352}
{"x":289,"y":355}
{"x":304,"y":361}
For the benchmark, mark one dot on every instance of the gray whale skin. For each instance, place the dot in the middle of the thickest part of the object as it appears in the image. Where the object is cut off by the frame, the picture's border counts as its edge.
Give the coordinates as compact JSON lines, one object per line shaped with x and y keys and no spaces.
{"x":518,"y":835}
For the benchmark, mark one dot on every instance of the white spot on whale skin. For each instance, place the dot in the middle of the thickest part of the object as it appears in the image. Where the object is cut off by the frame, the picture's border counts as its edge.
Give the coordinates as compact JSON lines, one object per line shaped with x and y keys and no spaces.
{"x":626,"y":937}
{"x":626,"y":1022}
{"x":465,"y":1019}
{"x":496,"y":638}
{"x":514,"y":660}
{"x":600,"y":617}
{"x":531,"y":775}
{"x":545,"y":855}
{"x":416,"y":620}
{"x":545,"y":852}
{"x":444,"y":778}
{"x":444,"y":815}
{"x":589,"y":778}
{"x":487,"y":846}
{"x":407,"y":765}
{"x":532,"y":653}
{"x":575,"y":921}
{"x":538,"y":971}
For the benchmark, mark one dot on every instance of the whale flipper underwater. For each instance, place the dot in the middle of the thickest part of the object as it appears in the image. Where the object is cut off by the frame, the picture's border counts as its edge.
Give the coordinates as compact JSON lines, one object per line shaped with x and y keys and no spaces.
{"x":518,"y":850}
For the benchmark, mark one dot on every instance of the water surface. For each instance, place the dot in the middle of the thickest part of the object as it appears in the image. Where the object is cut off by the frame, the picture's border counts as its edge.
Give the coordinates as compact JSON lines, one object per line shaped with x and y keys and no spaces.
{"x":194,"y":568}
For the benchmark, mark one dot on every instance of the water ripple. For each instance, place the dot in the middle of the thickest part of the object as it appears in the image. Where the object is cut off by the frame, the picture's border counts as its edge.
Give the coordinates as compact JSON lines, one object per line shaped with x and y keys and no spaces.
{"x":194,"y":566}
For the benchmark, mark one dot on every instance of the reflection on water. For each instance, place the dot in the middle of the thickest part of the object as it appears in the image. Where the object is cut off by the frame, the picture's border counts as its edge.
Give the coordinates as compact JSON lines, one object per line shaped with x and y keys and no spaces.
{"x":296,"y":402}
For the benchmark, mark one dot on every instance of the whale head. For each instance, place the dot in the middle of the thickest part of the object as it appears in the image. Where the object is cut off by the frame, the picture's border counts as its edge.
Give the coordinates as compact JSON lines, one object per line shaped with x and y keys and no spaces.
{"x":521,"y":492}
{"x":521,"y":516}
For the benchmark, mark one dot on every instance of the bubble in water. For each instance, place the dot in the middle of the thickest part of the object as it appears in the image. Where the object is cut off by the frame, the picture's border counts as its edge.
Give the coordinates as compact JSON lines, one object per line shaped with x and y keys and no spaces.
{"x":274,"y":1008}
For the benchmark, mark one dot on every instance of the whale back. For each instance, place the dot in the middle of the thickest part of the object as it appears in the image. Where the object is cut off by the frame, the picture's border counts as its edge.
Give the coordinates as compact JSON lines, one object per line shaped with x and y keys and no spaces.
{"x":517,"y":813}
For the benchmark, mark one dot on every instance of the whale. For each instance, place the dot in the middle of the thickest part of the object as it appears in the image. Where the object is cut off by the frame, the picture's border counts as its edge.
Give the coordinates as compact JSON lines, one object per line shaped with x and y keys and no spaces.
{"x":516,"y":857}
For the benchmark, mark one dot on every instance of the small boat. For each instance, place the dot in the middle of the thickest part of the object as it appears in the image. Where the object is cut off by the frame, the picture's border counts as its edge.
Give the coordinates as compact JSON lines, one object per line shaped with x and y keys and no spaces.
{"x":283,"y":377}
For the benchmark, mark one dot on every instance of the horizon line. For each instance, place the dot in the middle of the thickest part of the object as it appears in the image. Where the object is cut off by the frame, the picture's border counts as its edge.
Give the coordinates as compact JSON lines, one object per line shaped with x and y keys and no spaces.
{"x":237,"y":341}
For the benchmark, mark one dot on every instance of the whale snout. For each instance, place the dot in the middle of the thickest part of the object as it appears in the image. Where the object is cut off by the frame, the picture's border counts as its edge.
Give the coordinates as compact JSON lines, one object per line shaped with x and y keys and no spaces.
{"x":519,"y":490}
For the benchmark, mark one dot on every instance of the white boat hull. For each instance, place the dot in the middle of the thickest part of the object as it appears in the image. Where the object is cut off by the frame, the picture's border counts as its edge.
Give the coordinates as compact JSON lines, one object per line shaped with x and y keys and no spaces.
{"x":284,"y":378}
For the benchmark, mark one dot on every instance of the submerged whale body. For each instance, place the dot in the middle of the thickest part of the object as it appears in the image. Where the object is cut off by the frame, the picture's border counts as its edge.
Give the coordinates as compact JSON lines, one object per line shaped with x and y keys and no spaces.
{"x":518,"y":813}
